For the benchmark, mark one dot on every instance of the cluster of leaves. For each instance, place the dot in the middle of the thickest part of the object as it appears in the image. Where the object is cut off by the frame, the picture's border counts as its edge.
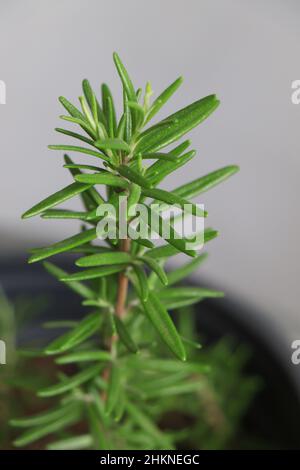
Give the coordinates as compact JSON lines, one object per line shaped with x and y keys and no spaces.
{"x":110,"y":346}
{"x":18,"y":384}
{"x":208,"y":417}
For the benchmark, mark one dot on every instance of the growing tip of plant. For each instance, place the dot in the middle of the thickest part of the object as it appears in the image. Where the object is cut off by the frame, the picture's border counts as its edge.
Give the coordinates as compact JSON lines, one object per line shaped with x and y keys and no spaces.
{"x":236,"y":167}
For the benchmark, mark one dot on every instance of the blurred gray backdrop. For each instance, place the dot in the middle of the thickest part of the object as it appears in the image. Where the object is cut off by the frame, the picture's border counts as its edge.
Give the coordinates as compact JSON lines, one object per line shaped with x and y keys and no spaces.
{"x":245,"y":51}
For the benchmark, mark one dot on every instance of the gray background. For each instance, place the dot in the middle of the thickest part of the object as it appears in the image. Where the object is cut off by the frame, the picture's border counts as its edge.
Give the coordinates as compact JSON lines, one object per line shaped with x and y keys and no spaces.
{"x":245,"y":51}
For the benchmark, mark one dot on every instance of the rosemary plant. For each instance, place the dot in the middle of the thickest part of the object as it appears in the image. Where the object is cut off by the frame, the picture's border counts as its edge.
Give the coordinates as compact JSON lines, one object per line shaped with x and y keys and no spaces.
{"x":120,"y":350}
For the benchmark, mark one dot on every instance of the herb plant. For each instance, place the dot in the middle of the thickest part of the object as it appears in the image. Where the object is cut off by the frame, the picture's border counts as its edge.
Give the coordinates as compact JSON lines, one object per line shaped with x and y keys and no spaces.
{"x":120,"y":350}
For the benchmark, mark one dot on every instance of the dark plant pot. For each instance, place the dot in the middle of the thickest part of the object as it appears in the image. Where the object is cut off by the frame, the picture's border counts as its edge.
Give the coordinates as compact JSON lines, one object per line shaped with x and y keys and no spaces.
{"x":273,"y":416}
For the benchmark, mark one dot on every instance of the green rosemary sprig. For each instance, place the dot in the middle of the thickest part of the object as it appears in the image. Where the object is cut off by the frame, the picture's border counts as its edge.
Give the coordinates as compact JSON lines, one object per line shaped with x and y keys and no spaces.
{"x":122,"y":281}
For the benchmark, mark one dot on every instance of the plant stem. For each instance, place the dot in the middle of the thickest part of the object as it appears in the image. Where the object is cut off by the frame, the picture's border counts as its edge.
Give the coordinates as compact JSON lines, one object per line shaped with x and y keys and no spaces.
{"x":120,"y":306}
{"x":121,"y":299}
{"x":123,"y":279}
{"x":122,"y":284}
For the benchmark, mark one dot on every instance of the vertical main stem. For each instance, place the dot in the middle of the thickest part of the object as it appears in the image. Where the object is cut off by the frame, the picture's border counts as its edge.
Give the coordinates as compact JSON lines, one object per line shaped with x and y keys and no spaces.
{"x":121,"y":300}
{"x":123,"y":279}
{"x":122,"y":284}
{"x":120,"y":305}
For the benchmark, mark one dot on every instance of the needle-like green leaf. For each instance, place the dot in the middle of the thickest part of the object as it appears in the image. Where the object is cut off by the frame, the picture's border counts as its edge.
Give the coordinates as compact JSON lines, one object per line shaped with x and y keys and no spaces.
{"x":114,"y":389}
{"x":189,"y":386}
{"x":109,"y":109}
{"x":111,"y":124}
{"x":169,"y":366}
{"x":163,"y":382}
{"x":127,"y":83}
{"x":119,"y":409}
{"x":81,"y":289}
{"x":91,"y":100}
{"x":60,"y":196}
{"x":71,"y":382}
{"x":121,"y":127}
{"x":64,"y":214}
{"x":103,"y":259}
{"x":178,"y":274}
{"x":102,"y":178}
{"x":75,"y":135}
{"x":144,"y":242}
{"x":93,"y":273}
{"x":178,"y":297}
{"x":172,"y":199}
{"x":45,"y":417}
{"x":113,"y":144}
{"x":83,"y":167}
{"x":90,"y":198}
{"x":124,"y":335}
{"x":133,"y":197}
{"x":128,"y":87}
{"x":165,"y":251}
{"x":178,"y":124}
{"x":129,"y":120}
{"x":147,"y":425}
{"x":84,"y":356}
{"x":200,"y":185}
{"x":142,"y":280}
{"x":72,"y":110}
{"x":38,"y":432}
{"x":161,"y":320}
{"x":160,"y":169}
{"x":159,"y":156}
{"x":133,"y":176}
{"x":75,"y":148}
{"x":174,"y":292}
{"x":83,"y":441}
{"x":64,"y":245}
{"x":164,"y":229}
{"x":96,"y":303}
{"x":83,"y":124}
{"x":89,"y":249}
{"x":95,"y":422}
{"x":154,"y":266}
{"x":163,"y":98}
{"x":83,"y":330}
{"x":140,"y":113}
{"x":100,"y":404}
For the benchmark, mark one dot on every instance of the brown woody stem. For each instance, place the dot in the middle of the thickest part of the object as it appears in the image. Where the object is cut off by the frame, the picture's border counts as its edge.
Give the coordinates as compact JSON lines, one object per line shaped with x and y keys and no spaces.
{"x":120,"y":305}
